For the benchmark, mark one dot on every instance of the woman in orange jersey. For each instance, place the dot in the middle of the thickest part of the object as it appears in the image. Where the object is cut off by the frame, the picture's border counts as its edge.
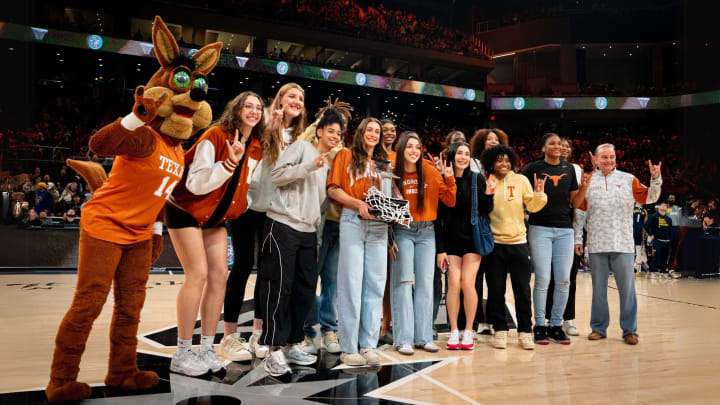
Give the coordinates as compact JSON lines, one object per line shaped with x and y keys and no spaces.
{"x":423,"y":186}
{"x":363,"y":246}
{"x":212,"y":191}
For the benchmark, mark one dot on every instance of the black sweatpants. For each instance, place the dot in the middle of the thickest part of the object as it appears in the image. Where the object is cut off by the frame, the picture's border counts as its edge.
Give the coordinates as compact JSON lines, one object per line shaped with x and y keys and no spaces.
{"x":570,"y":307}
{"x":287,"y":282}
{"x":245,"y":230}
{"x":515,"y":260}
{"x":661,"y":255}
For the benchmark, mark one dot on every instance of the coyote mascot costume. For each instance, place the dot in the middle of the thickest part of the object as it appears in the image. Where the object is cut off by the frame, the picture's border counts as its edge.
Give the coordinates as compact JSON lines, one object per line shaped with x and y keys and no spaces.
{"x":119,"y":233}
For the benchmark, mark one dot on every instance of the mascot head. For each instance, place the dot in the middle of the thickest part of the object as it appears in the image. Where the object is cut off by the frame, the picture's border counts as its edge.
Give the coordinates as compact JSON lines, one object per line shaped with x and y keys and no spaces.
{"x":184,"y":81}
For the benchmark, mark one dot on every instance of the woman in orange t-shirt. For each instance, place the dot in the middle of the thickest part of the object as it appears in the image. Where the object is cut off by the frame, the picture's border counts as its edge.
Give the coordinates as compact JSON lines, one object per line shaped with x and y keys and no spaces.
{"x":423,"y":186}
{"x":213,"y":190}
{"x":363,"y":245}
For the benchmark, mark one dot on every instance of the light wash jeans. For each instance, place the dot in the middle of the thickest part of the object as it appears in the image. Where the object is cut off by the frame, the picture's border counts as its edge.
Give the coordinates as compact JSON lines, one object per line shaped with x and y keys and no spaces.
{"x":362,"y":270}
{"x":621,"y":264}
{"x":412,"y":317}
{"x":324,"y":308}
{"x":551,"y":249}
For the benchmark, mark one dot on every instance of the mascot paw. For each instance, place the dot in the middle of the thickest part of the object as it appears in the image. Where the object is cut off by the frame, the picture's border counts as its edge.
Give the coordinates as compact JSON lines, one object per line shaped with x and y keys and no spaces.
{"x":66,"y":391}
{"x":142,"y":380}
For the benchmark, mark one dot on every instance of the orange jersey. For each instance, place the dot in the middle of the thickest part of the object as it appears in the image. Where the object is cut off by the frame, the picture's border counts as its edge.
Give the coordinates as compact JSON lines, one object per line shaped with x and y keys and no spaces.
{"x":354,"y":184}
{"x":201,"y":207}
{"x":123,"y":210}
{"x":435,"y":188}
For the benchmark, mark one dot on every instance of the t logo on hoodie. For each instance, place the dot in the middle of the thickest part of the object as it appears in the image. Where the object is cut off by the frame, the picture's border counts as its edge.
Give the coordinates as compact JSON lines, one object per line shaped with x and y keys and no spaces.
{"x":511,"y":188}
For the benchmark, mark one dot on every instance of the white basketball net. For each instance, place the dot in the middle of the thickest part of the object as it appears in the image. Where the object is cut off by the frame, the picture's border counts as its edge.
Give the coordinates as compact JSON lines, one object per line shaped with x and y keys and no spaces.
{"x":391,"y":209}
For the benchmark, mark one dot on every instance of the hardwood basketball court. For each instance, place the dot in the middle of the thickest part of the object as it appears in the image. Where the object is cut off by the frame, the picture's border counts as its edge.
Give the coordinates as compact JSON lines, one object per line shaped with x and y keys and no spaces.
{"x":676,"y":361}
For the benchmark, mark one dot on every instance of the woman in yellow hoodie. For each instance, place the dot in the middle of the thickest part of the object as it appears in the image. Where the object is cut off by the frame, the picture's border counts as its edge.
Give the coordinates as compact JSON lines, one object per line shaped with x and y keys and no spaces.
{"x":511,"y":254}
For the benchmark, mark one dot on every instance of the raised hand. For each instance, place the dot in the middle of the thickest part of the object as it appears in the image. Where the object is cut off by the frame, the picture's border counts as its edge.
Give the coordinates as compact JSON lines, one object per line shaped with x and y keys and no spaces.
{"x":320,"y":160}
{"x":586,"y":178}
{"x":539,"y":184}
{"x":146,"y":108}
{"x":654,"y":169}
{"x":235,"y":149}
{"x":437,"y":162}
{"x":593,"y":161}
{"x":447,"y":168}
{"x":277,"y":118}
{"x":490,"y":185}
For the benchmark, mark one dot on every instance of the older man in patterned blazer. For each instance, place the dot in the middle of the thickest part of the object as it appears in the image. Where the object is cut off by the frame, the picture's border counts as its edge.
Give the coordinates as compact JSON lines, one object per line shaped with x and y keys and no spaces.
{"x":610,"y":195}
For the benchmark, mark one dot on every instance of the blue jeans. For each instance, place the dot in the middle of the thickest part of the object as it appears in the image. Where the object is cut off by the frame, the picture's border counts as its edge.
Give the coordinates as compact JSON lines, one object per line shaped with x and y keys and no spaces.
{"x":551,"y":249}
{"x":621,"y":264}
{"x":412,"y":317}
{"x":362,"y":270}
{"x":324,"y":309}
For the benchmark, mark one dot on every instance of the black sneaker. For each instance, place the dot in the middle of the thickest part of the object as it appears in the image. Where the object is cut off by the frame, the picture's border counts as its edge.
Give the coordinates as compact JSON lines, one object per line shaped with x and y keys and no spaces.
{"x":541,"y":335}
{"x":557,"y":335}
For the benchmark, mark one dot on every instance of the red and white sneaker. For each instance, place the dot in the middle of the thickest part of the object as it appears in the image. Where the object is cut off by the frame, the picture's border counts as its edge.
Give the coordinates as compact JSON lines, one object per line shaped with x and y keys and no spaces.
{"x":453,"y":342}
{"x":468,"y":340}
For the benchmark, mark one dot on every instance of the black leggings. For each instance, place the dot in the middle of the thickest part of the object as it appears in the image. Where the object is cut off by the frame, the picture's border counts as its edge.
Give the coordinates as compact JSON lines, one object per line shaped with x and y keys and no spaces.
{"x":246,"y":231}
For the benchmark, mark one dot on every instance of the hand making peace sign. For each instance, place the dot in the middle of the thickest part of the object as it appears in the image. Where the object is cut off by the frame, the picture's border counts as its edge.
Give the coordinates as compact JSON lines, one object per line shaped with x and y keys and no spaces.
{"x":235,"y":149}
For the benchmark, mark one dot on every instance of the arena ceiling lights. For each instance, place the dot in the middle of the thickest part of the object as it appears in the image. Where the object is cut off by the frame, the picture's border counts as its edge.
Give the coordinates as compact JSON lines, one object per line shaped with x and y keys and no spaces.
{"x":604,"y":103}
{"x":269,"y":66}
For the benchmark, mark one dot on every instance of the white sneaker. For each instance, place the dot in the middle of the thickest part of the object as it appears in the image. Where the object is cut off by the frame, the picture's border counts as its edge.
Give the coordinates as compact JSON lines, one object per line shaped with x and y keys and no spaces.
{"x":484,"y":329}
{"x":654,"y":274}
{"x":428,"y":347}
{"x":296,"y":355}
{"x":276,"y":365}
{"x":188,"y":363}
{"x":308,"y":345}
{"x":260,"y":351}
{"x":371,"y":356}
{"x":570,"y":328}
{"x":405,"y":349}
{"x":453,"y":342}
{"x":330,"y":342}
{"x":468,"y":340}
{"x":235,"y":348}
{"x":210,"y":359}
{"x":500,"y":339}
{"x":674,"y":274}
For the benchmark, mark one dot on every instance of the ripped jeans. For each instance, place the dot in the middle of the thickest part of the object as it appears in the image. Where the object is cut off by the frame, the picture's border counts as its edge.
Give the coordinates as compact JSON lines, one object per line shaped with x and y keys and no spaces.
{"x":551,"y":249}
{"x":415,"y":264}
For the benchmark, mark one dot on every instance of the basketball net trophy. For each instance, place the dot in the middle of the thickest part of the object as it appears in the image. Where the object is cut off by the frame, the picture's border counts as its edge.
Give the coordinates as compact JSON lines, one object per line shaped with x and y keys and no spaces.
{"x":383,"y":207}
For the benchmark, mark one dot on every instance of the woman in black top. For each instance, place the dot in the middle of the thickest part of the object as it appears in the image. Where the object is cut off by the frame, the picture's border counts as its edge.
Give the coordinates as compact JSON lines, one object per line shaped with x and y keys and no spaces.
{"x":455,"y":247}
{"x":550,"y":237}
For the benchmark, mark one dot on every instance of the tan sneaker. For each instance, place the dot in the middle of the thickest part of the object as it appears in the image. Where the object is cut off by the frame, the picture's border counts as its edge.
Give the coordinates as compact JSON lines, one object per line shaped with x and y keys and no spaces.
{"x":353,"y":359}
{"x":308,"y":345}
{"x":330,"y":342}
{"x":371,"y":356}
{"x":500,"y":339}
{"x":526,"y":340}
{"x":235,"y":348}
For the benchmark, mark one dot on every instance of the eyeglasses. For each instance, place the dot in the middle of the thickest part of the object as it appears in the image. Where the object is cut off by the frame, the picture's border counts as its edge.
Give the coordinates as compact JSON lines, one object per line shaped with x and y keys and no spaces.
{"x":251,"y":107}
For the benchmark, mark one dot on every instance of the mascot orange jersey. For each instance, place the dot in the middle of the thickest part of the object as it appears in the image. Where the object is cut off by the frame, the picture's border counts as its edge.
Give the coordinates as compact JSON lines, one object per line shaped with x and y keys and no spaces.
{"x":118,"y":242}
{"x":124,"y":208}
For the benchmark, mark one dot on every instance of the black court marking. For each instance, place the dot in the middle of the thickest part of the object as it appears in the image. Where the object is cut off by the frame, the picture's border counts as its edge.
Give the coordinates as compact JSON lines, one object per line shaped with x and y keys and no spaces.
{"x":353,"y":384}
{"x":671,"y":300}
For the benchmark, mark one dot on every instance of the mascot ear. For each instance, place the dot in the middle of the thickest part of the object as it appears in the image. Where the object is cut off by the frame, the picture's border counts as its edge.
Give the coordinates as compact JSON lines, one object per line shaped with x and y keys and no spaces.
{"x":166,"y":48}
{"x":207,"y":57}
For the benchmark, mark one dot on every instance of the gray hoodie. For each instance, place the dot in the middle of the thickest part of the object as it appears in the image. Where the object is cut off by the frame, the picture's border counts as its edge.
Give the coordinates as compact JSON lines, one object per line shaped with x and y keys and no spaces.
{"x":300,"y":197}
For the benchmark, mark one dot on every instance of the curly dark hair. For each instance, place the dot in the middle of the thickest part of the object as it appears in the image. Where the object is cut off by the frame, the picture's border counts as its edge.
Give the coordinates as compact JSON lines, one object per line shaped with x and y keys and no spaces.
{"x":477,"y":142}
{"x":492,"y":155}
